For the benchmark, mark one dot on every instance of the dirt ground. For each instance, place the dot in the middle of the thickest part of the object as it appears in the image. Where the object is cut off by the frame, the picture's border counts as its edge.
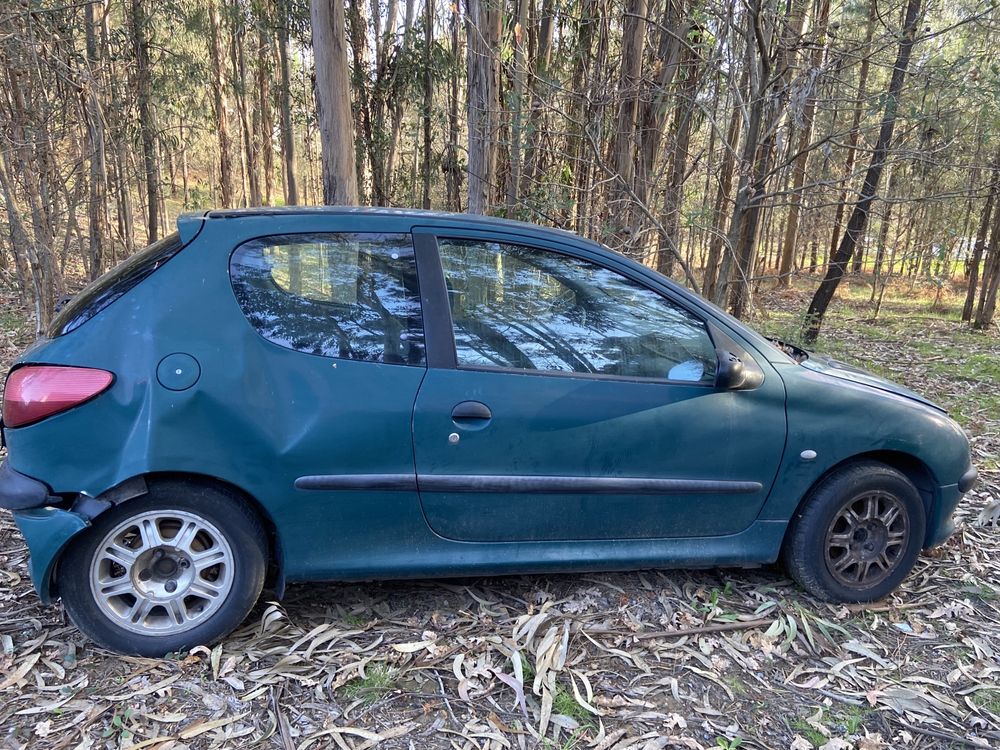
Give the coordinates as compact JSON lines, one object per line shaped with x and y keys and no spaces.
{"x":699,"y":659}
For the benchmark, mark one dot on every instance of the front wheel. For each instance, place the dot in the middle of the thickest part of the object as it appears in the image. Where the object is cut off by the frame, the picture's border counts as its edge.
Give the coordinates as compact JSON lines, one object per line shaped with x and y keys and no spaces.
{"x":180,"y":566}
{"x":857,"y":535}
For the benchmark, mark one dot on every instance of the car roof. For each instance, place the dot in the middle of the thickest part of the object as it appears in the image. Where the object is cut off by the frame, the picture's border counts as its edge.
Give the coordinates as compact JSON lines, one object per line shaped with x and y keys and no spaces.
{"x":472,"y":221}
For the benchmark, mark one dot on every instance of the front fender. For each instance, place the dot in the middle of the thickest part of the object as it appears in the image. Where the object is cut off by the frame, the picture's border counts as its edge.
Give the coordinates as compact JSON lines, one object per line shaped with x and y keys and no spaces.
{"x":838,"y":419}
{"x":47,"y":532}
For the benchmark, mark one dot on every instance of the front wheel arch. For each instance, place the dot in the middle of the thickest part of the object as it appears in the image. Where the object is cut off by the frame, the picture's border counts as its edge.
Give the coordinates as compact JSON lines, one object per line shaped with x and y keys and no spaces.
{"x":881,"y":491}
{"x":918,"y":472}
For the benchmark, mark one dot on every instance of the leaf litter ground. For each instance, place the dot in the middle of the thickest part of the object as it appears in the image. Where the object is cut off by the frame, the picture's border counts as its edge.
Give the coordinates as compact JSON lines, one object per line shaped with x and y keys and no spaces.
{"x":676,"y":659}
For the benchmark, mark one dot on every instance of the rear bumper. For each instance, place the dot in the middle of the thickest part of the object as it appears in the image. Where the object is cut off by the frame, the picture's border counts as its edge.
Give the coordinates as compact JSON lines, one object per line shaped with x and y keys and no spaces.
{"x":21,"y":492}
{"x":47,"y":531}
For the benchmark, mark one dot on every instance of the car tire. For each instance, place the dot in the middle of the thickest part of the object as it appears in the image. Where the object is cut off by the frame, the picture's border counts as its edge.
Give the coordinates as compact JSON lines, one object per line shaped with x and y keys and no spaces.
{"x":178,"y":567}
{"x":857,"y":534}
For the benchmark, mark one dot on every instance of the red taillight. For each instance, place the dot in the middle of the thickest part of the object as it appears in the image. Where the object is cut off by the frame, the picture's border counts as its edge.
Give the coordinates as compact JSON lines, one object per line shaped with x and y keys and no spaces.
{"x":35,"y":392}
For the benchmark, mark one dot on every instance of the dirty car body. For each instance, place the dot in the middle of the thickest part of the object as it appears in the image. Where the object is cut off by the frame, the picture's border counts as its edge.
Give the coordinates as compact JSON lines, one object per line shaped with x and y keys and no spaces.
{"x":398,"y":394}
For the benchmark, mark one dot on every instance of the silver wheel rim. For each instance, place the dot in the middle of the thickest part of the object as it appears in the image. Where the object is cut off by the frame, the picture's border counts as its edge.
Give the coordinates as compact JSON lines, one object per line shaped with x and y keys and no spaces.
{"x":867,"y":539}
{"x":162,"y":572}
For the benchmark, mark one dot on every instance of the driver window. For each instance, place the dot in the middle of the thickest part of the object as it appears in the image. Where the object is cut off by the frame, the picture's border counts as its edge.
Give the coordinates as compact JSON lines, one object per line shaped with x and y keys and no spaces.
{"x":528,"y":309}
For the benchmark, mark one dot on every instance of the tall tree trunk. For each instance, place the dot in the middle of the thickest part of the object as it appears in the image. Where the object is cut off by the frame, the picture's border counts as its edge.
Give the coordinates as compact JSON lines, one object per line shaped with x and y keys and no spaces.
{"x":991,"y":278}
{"x":483,"y":37}
{"x":239,"y":42}
{"x":265,"y":109}
{"x":689,"y":67}
{"x":139,"y":22}
{"x":97,"y":204}
{"x":219,"y":108}
{"x":859,"y":215}
{"x":333,"y":102}
{"x":428,"y":98}
{"x":625,"y":141}
{"x":745,"y":247}
{"x":452,"y":168}
{"x":515,"y":105}
{"x":852,"y":141}
{"x":801,"y":159}
{"x":538,"y":85}
{"x":287,"y":133}
{"x":714,"y":264}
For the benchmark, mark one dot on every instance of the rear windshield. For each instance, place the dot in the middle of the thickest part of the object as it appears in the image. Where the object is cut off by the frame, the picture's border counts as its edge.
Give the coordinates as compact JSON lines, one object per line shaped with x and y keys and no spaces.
{"x":99,"y":294}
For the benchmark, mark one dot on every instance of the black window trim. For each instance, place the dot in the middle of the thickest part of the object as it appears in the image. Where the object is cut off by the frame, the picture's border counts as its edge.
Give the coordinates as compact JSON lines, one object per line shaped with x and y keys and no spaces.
{"x":439,"y":331}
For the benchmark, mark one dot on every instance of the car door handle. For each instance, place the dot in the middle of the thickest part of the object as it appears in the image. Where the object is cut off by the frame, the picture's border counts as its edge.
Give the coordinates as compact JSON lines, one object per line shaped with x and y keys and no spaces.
{"x":471,"y":410}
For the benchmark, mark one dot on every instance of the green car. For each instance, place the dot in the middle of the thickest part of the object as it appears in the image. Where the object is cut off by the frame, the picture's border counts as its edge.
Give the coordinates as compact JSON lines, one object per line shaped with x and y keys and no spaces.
{"x":345,"y":394}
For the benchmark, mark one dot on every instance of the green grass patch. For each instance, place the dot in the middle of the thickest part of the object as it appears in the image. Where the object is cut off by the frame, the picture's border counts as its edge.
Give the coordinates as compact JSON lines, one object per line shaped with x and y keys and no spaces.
{"x":378,"y":682}
{"x":988,"y":700}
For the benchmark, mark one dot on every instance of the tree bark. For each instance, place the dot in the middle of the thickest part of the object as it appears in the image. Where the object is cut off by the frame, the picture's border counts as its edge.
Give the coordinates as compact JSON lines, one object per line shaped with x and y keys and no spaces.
{"x":333,"y":103}
{"x":147,"y":123}
{"x":287,"y":133}
{"x":483,"y":37}
{"x":859,"y":215}
{"x":97,"y":204}
{"x":219,"y":109}
{"x":428,"y":99}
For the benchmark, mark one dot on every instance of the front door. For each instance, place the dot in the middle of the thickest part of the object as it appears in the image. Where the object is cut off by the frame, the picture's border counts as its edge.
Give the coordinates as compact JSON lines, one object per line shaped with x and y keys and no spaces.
{"x":582,"y":405}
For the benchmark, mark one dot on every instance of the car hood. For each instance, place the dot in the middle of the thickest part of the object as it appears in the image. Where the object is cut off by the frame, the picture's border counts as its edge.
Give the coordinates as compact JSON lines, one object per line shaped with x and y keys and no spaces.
{"x":830,"y":366}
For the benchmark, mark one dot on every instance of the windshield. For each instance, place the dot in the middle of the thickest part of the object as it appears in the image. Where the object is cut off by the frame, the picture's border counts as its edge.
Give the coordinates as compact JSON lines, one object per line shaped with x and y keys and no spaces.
{"x":99,"y":294}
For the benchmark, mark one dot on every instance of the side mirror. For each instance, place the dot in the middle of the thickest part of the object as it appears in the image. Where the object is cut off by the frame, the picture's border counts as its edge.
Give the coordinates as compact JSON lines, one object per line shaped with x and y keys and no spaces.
{"x":733,"y":374}
{"x":730,"y":375}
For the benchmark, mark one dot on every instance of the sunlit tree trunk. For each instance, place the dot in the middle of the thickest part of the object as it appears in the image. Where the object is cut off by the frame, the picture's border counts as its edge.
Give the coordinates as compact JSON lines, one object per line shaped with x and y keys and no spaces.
{"x":219,"y":107}
{"x":333,"y":103}
{"x":483,"y":37}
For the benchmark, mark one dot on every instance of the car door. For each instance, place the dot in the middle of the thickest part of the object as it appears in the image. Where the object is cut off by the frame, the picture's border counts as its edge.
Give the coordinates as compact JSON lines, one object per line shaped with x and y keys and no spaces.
{"x":578,"y":403}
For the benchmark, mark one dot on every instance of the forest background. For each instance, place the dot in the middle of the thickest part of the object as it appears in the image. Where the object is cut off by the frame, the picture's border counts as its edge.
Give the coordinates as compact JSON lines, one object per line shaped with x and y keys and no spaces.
{"x":733,"y":144}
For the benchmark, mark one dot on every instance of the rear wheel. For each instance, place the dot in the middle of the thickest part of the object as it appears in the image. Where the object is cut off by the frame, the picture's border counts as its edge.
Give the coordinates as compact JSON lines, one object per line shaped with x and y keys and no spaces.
{"x":857,"y":535}
{"x":180,"y":566}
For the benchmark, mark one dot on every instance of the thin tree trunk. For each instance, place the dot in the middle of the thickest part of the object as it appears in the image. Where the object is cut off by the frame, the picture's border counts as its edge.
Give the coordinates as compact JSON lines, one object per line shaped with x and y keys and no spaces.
{"x":625,"y":141}
{"x":515,"y":105}
{"x":852,"y":143}
{"x":147,"y":122}
{"x":859,"y":216}
{"x":802,"y":159}
{"x":428,"y":99}
{"x":239,"y":40}
{"x":453,"y":171}
{"x":97,"y":206}
{"x":219,"y":108}
{"x":287,"y":134}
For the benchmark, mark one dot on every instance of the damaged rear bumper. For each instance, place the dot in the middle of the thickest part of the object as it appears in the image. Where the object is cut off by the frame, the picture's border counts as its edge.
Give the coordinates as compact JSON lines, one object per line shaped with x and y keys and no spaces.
{"x":20,"y":492}
{"x":46,"y":529}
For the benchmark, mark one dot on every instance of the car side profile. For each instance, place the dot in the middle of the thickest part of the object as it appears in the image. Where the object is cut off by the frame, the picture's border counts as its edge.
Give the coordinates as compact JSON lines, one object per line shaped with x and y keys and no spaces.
{"x":352,"y":394}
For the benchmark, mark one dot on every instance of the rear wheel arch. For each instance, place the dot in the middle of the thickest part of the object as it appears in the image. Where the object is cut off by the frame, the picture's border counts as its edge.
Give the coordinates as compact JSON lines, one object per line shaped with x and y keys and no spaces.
{"x":273,"y":552}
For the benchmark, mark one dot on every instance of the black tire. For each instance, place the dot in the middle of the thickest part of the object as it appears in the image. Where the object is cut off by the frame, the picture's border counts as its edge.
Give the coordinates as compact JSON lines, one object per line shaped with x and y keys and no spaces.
{"x":229,"y":530}
{"x":837,"y":555}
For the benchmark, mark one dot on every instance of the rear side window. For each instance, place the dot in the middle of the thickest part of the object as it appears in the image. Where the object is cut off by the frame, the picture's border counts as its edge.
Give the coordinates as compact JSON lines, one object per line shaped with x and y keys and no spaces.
{"x":344,"y":295}
{"x":115,"y":283}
